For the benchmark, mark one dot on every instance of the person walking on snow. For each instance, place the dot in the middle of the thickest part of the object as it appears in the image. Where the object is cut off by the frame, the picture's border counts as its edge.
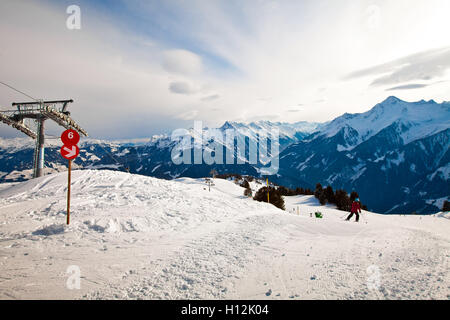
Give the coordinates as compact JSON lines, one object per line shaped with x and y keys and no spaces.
{"x":356,"y":206}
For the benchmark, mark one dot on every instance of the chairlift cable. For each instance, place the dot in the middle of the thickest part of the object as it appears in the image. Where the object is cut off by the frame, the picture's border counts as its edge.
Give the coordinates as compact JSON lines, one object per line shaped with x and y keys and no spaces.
{"x":17,"y":90}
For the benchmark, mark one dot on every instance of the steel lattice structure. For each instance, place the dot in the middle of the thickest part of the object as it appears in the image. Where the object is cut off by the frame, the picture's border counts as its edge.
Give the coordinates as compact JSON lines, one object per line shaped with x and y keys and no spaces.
{"x":40,"y":111}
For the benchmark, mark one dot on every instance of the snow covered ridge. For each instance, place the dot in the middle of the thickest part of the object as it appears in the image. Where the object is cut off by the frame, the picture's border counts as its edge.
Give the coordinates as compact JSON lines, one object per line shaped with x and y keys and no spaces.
{"x":137,"y":237}
{"x":418,"y":120}
{"x":422,"y":118}
{"x":287,"y":131}
{"x":15,"y":144}
{"x":149,"y":156}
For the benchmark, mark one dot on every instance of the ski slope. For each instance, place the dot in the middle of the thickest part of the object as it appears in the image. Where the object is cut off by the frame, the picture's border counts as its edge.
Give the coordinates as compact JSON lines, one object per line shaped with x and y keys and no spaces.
{"x":137,"y":237}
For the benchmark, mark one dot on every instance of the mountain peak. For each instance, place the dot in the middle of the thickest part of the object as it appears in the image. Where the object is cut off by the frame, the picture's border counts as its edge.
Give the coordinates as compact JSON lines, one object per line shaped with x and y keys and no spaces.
{"x":391,"y":100}
{"x":426,"y":102}
{"x":227,"y":125}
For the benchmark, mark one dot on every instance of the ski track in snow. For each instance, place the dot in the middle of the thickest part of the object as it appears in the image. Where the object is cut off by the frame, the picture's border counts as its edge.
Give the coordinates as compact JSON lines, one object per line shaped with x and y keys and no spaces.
{"x":136,"y":237}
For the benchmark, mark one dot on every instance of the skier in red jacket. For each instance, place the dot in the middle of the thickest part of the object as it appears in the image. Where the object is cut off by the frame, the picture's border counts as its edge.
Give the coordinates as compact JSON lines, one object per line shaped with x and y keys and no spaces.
{"x":356,"y":206}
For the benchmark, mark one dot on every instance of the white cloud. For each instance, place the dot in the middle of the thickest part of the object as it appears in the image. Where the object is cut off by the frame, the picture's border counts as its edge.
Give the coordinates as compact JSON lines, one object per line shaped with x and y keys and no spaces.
{"x":426,"y":65}
{"x":211,"y":97}
{"x":182,"y":61}
{"x":181,"y":87}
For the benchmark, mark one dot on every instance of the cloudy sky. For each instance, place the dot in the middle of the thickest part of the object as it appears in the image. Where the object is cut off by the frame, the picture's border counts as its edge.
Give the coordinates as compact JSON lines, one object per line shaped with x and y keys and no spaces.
{"x":137,"y":68}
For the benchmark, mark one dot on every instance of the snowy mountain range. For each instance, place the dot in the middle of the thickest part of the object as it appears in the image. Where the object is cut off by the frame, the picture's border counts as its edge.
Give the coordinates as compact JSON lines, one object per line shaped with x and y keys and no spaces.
{"x":150,"y":157}
{"x":395,"y":155}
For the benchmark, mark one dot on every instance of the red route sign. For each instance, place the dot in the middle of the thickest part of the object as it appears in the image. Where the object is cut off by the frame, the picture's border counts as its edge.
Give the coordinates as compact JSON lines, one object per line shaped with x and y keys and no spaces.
{"x":70,"y":137}
{"x":70,"y":152}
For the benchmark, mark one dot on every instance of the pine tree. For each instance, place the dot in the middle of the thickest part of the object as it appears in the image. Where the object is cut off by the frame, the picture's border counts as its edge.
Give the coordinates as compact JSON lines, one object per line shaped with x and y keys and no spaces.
{"x":318,"y":190}
{"x":343,"y":201}
{"x":446,"y":206}
{"x":275,"y":197}
{"x":248,"y":192}
{"x":323,"y":198}
{"x":245,"y":184}
{"x":283,"y":191}
{"x":329,"y":195}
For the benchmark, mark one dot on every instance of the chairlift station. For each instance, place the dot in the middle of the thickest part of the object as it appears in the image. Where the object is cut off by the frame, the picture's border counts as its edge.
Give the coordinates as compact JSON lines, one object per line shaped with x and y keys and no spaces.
{"x":39,"y":112}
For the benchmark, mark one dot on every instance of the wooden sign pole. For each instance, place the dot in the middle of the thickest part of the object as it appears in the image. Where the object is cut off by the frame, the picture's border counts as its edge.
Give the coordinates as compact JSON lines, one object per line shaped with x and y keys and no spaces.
{"x":68,"y":192}
{"x":69,"y":151}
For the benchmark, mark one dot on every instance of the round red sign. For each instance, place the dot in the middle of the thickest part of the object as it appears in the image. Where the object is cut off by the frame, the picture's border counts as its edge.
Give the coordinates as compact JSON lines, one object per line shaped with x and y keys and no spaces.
{"x":70,"y":137}
{"x":70,"y":152}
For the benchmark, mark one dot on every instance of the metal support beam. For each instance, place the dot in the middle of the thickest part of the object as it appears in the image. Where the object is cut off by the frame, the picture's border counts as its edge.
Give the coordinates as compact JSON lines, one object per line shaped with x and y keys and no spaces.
{"x":39,"y":157}
{"x":42,"y":102}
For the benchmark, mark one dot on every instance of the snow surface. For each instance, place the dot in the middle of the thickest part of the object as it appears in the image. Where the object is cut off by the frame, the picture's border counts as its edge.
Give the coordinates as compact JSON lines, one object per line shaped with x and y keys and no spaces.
{"x":137,"y":237}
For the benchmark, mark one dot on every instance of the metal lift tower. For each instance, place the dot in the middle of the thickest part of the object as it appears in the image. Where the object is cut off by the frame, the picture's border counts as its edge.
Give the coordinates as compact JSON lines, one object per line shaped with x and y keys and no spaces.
{"x":39,"y":111}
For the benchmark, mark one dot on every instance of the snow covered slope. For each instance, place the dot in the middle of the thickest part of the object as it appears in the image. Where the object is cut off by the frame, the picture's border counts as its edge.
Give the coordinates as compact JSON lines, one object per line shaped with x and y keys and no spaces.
{"x":137,"y":237}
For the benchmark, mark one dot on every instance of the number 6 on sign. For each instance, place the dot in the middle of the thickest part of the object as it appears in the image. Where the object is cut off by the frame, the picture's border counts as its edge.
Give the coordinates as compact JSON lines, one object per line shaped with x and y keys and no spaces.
{"x":70,"y":137}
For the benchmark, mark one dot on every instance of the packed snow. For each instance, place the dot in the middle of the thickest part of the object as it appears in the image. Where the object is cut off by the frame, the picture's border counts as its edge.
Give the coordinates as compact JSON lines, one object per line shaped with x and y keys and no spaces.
{"x":137,"y":237}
